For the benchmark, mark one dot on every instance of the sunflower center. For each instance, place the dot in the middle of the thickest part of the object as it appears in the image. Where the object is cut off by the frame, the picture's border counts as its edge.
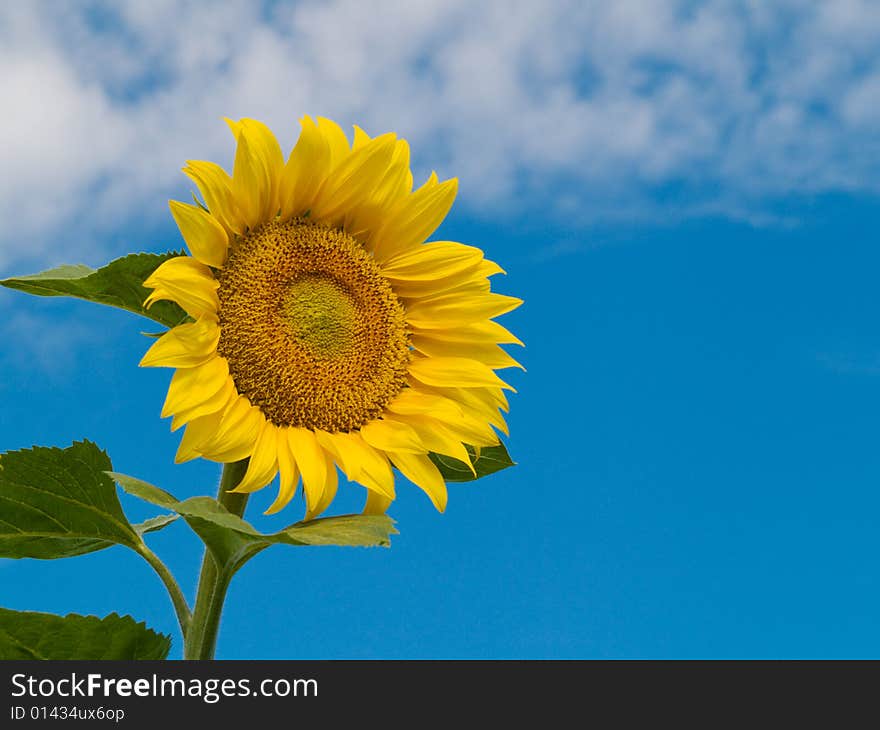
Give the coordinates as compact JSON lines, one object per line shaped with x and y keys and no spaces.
{"x":312,"y":331}
{"x":321,"y":314}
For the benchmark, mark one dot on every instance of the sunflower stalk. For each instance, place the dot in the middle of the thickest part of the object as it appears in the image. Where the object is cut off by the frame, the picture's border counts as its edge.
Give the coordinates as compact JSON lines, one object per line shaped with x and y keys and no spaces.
{"x":200,"y":641}
{"x":181,"y":608}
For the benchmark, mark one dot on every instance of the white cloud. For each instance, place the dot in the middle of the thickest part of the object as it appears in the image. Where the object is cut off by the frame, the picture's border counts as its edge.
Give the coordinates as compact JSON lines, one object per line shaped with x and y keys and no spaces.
{"x":44,"y":346}
{"x":735,"y":104}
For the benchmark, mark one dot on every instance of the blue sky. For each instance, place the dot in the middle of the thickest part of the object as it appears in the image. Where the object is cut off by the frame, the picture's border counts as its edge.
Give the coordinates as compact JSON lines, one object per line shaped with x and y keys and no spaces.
{"x":685,"y":194}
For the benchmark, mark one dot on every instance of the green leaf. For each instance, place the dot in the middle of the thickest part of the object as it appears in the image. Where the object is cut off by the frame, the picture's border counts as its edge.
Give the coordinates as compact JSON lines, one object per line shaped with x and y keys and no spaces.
{"x":154,"y":523}
{"x":32,"y":635}
{"x":489,"y":460}
{"x":232,"y":541}
{"x":144,"y":490}
{"x":353,"y":530}
{"x":57,"y":503}
{"x":118,"y":284}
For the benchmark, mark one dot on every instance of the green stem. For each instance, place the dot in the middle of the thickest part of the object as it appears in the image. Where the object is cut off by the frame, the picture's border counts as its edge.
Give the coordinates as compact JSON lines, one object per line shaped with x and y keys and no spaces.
{"x":181,"y":608}
{"x":201,"y":639}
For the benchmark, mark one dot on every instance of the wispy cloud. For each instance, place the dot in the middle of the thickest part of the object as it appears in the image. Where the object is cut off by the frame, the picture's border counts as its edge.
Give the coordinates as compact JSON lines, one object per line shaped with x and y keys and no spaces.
{"x":44,"y":346}
{"x":577,"y":109}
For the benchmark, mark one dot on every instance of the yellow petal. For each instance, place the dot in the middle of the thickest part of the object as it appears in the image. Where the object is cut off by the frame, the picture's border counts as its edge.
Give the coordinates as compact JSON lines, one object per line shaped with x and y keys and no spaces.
{"x":265,"y":162}
{"x":330,"y":485}
{"x":376,"y":504}
{"x":455,"y":372}
{"x":401,"y":156}
{"x":288,"y":473}
{"x":490,"y":268}
{"x":478,"y":400}
{"x":191,"y":386}
{"x":333,"y":444}
{"x":187,"y":282}
{"x":236,"y":433}
{"x":454,"y":310}
{"x":474,"y":431}
{"x":410,"y":292}
{"x":311,"y":461}
{"x":204,"y":236}
{"x":361,"y":138}
{"x":422,"y":472}
{"x":468,"y":397}
{"x":336,"y":140}
{"x":490,"y":395}
{"x":480,"y":403}
{"x":263,"y":463}
{"x":366,"y":218}
{"x":196,"y":433}
{"x":485,"y":352}
{"x":215,"y":185}
{"x":243,"y":438}
{"x":251,"y":185}
{"x":212,"y":404}
{"x":437,"y":437}
{"x":413,"y":219}
{"x":487,"y":331}
{"x":461,"y":285}
{"x":392,"y":436}
{"x":184,"y":346}
{"x":432,"y":260}
{"x":413,"y":401}
{"x":399,"y":180}
{"x":360,"y":461}
{"x":305,"y":170}
{"x":263,"y":143}
{"x":351,"y":183}
{"x":490,"y":412}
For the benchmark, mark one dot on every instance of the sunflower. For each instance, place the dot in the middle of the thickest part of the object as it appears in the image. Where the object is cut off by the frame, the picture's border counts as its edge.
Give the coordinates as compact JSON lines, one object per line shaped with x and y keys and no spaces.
{"x":324,"y":331}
